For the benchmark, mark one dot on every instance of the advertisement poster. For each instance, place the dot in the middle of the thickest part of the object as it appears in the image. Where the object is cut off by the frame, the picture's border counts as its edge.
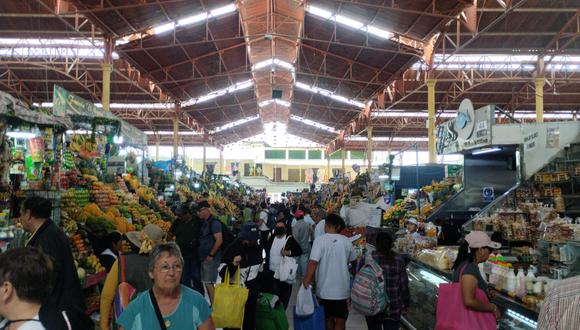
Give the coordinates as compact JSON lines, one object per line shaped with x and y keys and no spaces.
{"x":553,"y":138}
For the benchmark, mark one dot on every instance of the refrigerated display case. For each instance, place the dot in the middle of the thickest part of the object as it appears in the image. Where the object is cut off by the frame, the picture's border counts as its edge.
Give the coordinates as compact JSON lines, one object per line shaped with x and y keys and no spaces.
{"x":424,"y":282}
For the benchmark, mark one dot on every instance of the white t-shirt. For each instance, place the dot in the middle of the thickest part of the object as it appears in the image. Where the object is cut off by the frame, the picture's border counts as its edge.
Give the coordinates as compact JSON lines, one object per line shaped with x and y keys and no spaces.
{"x":319,"y":229}
{"x":264,"y":220}
{"x":275,"y":255}
{"x":333,"y":252}
{"x":30,"y":325}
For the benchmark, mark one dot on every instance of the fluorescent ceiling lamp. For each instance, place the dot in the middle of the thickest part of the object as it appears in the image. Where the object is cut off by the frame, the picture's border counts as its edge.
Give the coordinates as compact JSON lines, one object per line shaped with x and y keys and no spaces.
{"x":189,"y":133}
{"x":328,"y":93}
{"x":21,"y":135}
{"x":53,"y":52}
{"x":408,"y":114}
{"x":234,"y":124}
{"x":558,"y":115}
{"x":210,"y":96}
{"x":50,"y":42}
{"x":273,"y":62}
{"x":485,"y":151}
{"x":277,"y":101}
{"x":120,"y":105}
{"x":347,"y":21}
{"x":164,"y":28}
{"x":507,"y":62}
{"x":192,"y":19}
{"x":386,"y":138}
{"x":314,"y":124}
{"x":188,"y":20}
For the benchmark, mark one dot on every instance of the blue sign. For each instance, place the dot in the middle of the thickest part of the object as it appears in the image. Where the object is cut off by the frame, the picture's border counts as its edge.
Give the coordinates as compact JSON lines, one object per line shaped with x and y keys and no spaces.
{"x":488,"y":194}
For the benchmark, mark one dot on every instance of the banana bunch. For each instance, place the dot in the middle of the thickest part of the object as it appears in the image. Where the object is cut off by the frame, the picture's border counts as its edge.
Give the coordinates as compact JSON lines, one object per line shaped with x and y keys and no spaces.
{"x":77,"y":143}
{"x":95,"y":264}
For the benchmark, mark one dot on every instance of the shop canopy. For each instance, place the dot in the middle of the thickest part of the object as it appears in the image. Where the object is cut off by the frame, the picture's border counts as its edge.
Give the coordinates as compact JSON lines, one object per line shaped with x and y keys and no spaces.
{"x":132,"y":135}
{"x":13,"y":108}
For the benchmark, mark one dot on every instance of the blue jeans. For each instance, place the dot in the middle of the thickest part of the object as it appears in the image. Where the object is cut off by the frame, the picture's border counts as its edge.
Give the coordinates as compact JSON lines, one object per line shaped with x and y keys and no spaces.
{"x":376,"y":324}
{"x":191,"y":275}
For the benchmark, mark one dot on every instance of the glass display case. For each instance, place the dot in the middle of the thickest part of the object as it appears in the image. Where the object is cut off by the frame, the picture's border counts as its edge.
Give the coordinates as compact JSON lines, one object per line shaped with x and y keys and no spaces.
{"x":424,"y":282}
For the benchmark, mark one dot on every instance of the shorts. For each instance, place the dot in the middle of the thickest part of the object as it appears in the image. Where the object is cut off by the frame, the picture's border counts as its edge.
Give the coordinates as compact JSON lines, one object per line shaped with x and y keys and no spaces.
{"x":335,"y":308}
{"x":209,"y":271}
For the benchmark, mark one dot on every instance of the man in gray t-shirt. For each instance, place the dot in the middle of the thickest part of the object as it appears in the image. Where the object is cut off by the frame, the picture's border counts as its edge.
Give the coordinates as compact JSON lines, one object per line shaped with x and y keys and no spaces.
{"x":210,"y":244}
{"x":302,"y":233}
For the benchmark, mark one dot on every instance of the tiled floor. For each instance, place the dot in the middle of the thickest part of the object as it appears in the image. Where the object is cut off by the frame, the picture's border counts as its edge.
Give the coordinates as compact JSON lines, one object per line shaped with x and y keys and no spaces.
{"x":355,"y":320}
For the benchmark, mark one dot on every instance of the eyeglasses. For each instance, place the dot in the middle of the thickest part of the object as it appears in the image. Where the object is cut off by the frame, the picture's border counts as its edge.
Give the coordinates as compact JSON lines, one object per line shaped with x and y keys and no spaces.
{"x":166,"y":268}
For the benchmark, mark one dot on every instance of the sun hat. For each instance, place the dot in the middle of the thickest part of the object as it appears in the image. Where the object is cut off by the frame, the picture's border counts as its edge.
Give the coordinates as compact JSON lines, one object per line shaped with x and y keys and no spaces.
{"x":249,"y":232}
{"x":479,"y":239}
{"x":413,"y":221}
{"x":145,"y":239}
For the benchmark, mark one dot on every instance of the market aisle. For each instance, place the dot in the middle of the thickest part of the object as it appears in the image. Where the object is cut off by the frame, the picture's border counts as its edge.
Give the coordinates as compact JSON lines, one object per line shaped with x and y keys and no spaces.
{"x":355,"y":320}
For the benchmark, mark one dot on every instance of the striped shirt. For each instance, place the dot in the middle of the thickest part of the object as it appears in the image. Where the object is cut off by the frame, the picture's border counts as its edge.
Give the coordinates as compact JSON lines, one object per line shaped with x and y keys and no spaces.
{"x":561,"y":307}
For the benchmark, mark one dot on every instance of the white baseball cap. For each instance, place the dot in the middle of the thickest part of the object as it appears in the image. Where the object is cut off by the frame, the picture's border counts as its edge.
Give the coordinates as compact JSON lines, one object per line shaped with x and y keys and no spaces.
{"x":413,"y":221}
{"x":479,"y":239}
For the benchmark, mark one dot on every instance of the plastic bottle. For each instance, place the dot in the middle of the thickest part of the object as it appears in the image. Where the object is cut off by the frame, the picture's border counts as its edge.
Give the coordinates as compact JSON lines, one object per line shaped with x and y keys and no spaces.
{"x":530,"y":279}
{"x":512,"y":281}
{"x":521,"y":283}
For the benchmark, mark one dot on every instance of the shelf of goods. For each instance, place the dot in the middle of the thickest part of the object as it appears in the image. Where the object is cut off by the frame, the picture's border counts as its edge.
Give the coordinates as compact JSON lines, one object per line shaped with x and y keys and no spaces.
{"x":424,"y":281}
{"x":432,"y":198}
{"x":538,"y":220}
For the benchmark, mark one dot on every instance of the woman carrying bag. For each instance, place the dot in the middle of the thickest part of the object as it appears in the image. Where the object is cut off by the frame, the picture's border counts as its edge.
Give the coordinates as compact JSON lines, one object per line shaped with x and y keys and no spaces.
{"x":246,"y":254}
{"x":280,"y":245}
{"x":464,"y":303}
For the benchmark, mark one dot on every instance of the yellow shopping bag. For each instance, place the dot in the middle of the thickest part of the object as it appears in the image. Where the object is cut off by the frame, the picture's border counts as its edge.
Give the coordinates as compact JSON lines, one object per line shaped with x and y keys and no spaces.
{"x":229,"y":303}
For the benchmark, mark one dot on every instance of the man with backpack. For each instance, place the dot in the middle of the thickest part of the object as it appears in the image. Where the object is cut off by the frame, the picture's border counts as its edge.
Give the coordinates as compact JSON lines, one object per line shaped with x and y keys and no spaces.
{"x":210,"y":246}
{"x":329,"y":260}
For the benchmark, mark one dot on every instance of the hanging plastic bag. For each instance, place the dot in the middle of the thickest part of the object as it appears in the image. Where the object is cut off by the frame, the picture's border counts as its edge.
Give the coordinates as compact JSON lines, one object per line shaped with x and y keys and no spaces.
{"x":287,"y":271}
{"x":304,"y":302}
{"x":229,"y":303}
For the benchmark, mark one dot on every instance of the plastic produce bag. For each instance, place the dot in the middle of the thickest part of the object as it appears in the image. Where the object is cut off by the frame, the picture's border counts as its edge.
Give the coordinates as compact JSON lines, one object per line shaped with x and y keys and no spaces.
{"x":287,"y":271}
{"x":229,"y":303}
{"x":304,"y":302}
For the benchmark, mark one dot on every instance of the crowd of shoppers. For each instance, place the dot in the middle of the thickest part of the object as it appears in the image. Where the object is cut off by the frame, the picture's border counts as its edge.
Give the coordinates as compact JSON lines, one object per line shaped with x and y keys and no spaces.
{"x":164,"y":281}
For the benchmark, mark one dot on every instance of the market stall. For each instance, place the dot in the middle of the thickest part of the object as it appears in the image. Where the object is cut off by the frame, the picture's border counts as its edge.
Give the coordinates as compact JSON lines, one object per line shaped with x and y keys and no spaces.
{"x":30,"y":145}
{"x":519,"y":186}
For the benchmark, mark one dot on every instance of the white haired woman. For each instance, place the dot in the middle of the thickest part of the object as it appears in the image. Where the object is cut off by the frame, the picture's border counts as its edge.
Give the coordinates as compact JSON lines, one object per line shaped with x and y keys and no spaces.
{"x":168,"y":305}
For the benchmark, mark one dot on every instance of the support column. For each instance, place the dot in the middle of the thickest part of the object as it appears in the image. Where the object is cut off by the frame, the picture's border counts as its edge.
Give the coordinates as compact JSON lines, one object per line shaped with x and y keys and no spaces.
{"x":343,"y":155}
{"x":540,"y":100}
{"x":107,"y":68}
{"x":370,"y":147}
{"x":176,"y":131}
{"x":328,"y":170}
{"x":221,"y":161}
{"x":204,"y":153}
{"x":431,"y":119}
{"x":157,"y":148}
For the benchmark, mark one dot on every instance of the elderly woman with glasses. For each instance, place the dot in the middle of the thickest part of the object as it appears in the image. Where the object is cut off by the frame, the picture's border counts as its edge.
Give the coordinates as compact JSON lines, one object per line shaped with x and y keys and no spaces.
{"x":168,"y":305}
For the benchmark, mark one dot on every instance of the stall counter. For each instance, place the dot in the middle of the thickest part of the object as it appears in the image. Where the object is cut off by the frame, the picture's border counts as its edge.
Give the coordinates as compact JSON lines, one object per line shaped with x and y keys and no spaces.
{"x":424,"y":282}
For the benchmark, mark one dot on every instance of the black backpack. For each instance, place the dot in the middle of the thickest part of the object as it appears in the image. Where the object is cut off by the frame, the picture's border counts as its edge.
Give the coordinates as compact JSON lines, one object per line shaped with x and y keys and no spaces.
{"x":227,"y":235}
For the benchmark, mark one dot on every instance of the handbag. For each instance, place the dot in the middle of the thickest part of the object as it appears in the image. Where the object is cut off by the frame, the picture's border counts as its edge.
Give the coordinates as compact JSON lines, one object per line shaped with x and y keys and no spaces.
{"x":229,"y":303}
{"x":453,"y":315}
{"x":316,"y":321}
{"x":288,"y":268}
{"x":157,"y":311}
{"x":270,"y":313}
{"x":124,"y":293}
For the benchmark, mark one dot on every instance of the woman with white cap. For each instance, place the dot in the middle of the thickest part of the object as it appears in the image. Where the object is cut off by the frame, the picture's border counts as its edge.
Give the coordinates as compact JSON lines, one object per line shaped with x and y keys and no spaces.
{"x":135,"y":269}
{"x":412,"y":227}
{"x":473,"y":251}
